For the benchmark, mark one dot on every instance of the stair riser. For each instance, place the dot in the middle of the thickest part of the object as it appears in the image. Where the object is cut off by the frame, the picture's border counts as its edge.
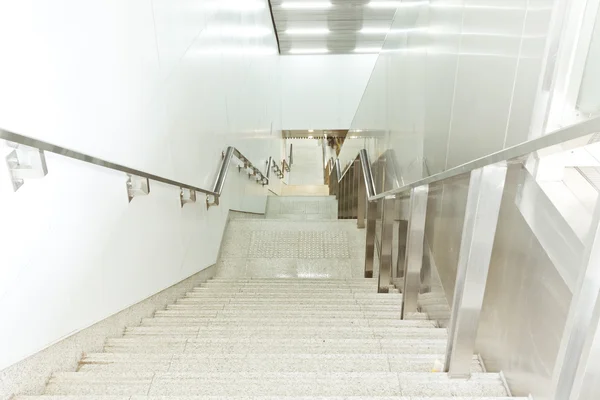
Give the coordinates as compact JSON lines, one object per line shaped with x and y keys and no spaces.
{"x":269,"y":366}
{"x":291,"y":301}
{"x":236,"y":322}
{"x":280,"y":314}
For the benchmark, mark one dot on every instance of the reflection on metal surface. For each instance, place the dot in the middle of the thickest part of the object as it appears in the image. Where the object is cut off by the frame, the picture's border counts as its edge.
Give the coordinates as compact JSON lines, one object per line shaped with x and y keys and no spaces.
{"x":137,"y":186}
{"x":370,"y":238}
{"x":187,"y":196}
{"x":591,"y":174}
{"x":560,"y":140}
{"x":385,"y":256}
{"x":414,"y":249}
{"x":582,"y":319}
{"x":483,"y":204}
{"x":553,"y":232}
{"x":525,"y":304}
{"x":25,"y":162}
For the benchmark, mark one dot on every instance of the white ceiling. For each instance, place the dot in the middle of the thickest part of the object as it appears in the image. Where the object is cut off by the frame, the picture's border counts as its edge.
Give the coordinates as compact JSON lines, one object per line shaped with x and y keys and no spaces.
{"x":332,"y":26}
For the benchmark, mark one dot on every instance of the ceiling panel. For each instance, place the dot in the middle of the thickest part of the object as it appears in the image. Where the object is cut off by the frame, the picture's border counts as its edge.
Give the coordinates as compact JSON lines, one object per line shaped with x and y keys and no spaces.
{"x":332,"y":26}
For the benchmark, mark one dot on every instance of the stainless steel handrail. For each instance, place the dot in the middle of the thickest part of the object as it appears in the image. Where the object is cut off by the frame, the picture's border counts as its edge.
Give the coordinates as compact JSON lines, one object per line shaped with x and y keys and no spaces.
{"x":367,"y":173}
{"x":558,"y":137}
{"x":277,"y":170}
{"x":215,"y":192}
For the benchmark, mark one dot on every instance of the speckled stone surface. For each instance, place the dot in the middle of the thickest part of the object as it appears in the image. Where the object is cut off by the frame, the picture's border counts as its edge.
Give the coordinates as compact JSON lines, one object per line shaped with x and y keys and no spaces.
{"x":303,"y":249}
{"x":302,"y":208}
{"x":288,"y":315}
{"x":30,"y":375}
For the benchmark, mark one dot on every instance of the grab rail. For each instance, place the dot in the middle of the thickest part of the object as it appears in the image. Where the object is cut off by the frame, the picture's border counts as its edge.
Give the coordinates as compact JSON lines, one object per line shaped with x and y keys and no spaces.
{"x":557,"y":137}
{"x":215,"y":192}
{"x":400,"y":222}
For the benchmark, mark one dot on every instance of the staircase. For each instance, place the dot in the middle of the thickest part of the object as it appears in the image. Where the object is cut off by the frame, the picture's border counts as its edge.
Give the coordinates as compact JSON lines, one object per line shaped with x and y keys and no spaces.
{"x":288,"y":316}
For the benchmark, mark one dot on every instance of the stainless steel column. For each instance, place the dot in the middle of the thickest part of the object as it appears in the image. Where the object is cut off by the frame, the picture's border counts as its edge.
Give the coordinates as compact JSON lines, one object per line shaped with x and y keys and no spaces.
{"x":341,"y":199}
{"x":361,"y":197}
{"x":370,"y":238}
{"x":481,"y":217}
{"x":414,"y":249}
{"x":385,"y":256}
{"x":355,"y":177}
{"x":577,"y":368}
{"x":346,"y":193}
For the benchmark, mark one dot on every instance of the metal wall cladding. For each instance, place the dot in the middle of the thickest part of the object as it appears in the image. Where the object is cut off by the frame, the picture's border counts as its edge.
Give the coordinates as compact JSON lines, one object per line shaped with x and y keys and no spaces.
{"x":525,"y":305}
{"x":526,"y":300}
{"x":443,"y":227}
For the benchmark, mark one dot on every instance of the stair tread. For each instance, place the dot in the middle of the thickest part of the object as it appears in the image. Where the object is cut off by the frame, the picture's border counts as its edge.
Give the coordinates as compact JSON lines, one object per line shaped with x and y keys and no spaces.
{"x":142,"y":397}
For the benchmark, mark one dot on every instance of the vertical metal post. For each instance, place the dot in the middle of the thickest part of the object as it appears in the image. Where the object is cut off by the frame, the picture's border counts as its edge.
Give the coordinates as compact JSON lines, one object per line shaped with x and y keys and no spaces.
{"x":387,"y":234}
{"x":481,"y":217}
{"x":353,"y":195}
{"x":414,"y":249}
{"x":361,"y":197}
{"x":357,"y":179}
{"x":577,"y":370}
{"x":370,"y":238}
{"x":348,"y":186}
{"x":341,"y":199}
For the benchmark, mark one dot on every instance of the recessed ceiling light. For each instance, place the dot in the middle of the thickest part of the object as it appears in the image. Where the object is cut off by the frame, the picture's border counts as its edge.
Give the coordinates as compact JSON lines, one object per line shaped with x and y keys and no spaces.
{"x":307,"y":4}
{"x":367,"y":49}
{"x":374,"y":31}
{"x":309,"y":51}
{"x":395,"y":4}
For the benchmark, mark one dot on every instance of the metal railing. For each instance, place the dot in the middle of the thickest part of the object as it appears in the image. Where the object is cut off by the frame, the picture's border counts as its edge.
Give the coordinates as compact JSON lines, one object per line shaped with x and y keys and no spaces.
{"x":362,"y":194}
{"x":22,"y":169}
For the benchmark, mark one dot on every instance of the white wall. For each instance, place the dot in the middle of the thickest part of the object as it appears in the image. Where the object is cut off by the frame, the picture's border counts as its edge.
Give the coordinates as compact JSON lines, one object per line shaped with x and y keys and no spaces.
{"x":323,"y":91}
{"x":158,"y":85}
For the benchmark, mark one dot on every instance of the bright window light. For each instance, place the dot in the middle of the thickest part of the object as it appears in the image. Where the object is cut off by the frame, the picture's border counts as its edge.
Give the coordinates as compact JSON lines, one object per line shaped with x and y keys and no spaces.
{"x":311,"y":130}
{"x":374,"y":31}
{"x":307,"y":31}
{"x":310,"y":137}
{"x":306,"y":4}
{"x":367,"y":49}
{"x":309,"y":51}
{"x":395,"y":4}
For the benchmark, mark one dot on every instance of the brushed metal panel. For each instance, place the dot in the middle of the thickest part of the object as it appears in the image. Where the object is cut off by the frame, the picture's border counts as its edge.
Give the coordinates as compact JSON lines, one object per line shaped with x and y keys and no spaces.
{"x":486,"y":186}
{"x":446,"y":206}
{"x":525,"y":304}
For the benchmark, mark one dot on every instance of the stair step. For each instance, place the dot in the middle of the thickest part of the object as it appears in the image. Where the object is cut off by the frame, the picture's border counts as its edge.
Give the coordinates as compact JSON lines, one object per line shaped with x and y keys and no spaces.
{"x":284,"y":321}
{"x":130,"y":362}
{"x":285,"y":306}
{"x":395,"y":301}
{"x":269,"y":290}
{"x":287,"y":295}
{"x":285,"y":331}
{"x":295,"y":280}
{"x":298,"y":313}
{"x":291,"y":282}
{"x":275,"y":384}
{"x":276,"y":345}
{"x":142,"y":397}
